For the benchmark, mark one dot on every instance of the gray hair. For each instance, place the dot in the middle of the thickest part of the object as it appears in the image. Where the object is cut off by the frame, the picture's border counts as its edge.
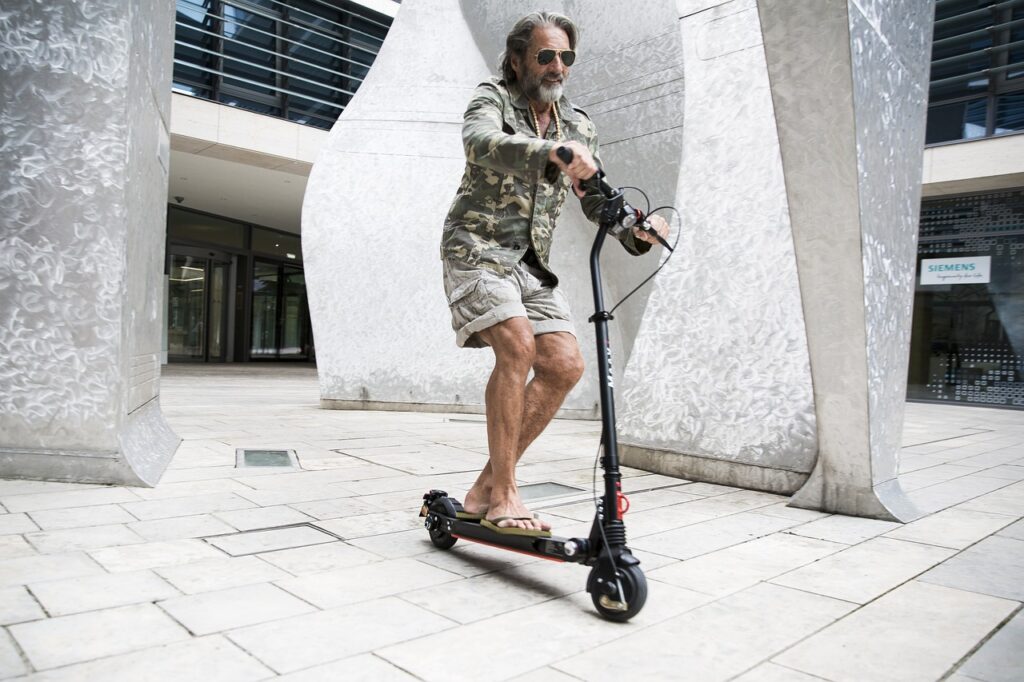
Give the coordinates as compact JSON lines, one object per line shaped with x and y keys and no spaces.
{"x":518,"y":38}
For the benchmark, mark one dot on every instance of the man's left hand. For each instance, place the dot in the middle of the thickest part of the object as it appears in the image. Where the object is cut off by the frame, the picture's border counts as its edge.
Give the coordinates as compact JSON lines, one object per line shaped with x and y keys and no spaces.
{"x":660,"y":226}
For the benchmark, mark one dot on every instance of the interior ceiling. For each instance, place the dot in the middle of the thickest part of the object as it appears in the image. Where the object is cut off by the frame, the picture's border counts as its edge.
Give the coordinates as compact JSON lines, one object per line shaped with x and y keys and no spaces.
{"x":225,"y":188}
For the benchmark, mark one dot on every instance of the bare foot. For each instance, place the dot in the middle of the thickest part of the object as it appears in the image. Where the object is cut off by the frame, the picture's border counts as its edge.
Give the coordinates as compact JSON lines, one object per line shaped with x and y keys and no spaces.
{"x":476,"y":501}
{"x":507,"y":503}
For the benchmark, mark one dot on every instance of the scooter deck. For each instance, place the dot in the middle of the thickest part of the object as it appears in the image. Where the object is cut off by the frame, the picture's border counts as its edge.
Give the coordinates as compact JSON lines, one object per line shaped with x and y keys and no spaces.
{"x":553,"y":548}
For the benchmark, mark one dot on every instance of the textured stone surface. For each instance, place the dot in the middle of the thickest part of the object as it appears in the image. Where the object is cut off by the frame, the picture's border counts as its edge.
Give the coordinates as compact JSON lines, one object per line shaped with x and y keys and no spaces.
{"x":86,"y":99}
{"x":852,"y":158}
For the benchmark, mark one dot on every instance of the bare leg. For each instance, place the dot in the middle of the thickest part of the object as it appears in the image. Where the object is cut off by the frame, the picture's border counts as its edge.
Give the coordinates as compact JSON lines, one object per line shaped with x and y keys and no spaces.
{"x":557,"y":366}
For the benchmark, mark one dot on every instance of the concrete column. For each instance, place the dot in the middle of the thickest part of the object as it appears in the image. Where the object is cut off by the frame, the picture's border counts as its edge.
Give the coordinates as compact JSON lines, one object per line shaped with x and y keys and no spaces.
{"x":849,"y":84}
{"x":83,"y":178}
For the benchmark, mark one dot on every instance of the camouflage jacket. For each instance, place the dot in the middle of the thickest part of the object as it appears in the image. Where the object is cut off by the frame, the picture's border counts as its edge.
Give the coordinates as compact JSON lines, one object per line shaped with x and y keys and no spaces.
{"x":511,"y":195}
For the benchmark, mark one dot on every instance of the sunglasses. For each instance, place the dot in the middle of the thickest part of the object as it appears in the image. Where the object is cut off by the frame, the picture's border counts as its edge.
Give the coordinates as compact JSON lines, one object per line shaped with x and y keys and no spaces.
{"x":546,"y":56}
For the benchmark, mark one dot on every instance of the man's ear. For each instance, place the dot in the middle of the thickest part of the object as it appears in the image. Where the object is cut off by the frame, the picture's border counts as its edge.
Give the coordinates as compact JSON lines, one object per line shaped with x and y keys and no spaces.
{"x":516,"y":65}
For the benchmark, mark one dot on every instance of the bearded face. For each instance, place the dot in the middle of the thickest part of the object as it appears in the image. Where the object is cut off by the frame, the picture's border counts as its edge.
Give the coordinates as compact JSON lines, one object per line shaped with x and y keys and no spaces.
{"x":543,"y":83}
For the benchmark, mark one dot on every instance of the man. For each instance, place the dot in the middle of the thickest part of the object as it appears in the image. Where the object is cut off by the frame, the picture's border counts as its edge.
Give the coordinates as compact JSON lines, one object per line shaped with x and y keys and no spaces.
{"x":496,"y":245}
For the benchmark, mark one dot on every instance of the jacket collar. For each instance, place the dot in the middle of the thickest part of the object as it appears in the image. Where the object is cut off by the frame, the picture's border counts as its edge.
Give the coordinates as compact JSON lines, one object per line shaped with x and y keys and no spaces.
{"x":519,"y":101}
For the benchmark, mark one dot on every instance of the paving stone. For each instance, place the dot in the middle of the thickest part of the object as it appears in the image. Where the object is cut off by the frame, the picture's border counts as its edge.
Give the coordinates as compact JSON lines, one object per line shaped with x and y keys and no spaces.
{"x":396,"y":545}
{"x":772,"y":672}
{"x":94,"y":592}
{"x":709,"y":536}
{"x":883,"y":640}
{"x":469,"y":558}
{"x":545,"y":674}
{"x":1008,"y":500}
{"x":1001,"y":658}
{"x":319,"y":558}
{"x":1015,"y":531}
{"x":211,"y":612}
{"x":361,"y":668}
{"x":154,"y":554}
{"x":342,"y":586}
{"x":553,"y":633}
{"x":954,"y":527}
{"x":80,"y":517}
{"x":26,"y":487}
{"x":950,"y":493}
{"x":202,"y":525}
{"x":219,"y":574}
{"x":18,"y":606}
{"x":73,"y":639}
{"x":784,"y":511}
{"x":212,"y":659}
{"x":64,"y":500}
{"x":15,"y":524}
{"x":484,"y":596}
{"x":849,"y":530}
{"x":994,"y":566}
{"x":304,"y":641}
{"x":10,"y":660}
{"x":13,"y":546}
{"x":865,"y":571}
{"x":187,"y":506}
{"x":93,"y":537}
{"x":372,"y":524}
{"x":336,"y":508}
{"x":264,"y":517}
{"x":741,"y":566}
{"x":22,"y":570}
{"x":185,"y":489}
{"x":257,"y":541}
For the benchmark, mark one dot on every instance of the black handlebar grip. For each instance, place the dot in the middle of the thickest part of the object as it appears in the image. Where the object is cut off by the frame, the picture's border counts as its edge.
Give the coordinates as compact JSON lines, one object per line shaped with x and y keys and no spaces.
{"x":565,"y":154}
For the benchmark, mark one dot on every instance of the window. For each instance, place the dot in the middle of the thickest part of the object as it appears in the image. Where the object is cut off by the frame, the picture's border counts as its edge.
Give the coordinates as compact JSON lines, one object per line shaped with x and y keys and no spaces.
{"x":977,"y":76}
{"x":296,"y":59}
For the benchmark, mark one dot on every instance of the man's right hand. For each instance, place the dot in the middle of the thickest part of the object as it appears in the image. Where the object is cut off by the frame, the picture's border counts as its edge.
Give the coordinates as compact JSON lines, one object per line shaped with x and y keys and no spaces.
{"x":582,"y":167}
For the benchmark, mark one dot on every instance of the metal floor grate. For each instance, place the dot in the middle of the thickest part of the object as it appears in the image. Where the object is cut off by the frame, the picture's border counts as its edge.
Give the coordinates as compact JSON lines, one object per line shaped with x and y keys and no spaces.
{"x":265,"y":458}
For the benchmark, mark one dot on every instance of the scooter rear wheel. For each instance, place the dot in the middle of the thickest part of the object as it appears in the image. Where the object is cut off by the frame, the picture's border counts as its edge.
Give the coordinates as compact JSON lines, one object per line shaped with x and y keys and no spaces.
{"x":634,"y":589}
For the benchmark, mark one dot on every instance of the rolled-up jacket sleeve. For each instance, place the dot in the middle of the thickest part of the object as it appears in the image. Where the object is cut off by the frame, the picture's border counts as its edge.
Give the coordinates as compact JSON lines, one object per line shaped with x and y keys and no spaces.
{"x":489,"y":145}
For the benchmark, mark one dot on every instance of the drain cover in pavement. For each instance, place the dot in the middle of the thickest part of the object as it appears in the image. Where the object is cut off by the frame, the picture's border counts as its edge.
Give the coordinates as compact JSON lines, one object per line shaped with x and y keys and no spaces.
{"x":536,"y":491}
{"x":265,"y":458}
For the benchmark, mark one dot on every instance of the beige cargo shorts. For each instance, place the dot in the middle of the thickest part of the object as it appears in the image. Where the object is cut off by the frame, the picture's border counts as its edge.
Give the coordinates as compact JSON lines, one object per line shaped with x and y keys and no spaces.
{"x":480,"y":298}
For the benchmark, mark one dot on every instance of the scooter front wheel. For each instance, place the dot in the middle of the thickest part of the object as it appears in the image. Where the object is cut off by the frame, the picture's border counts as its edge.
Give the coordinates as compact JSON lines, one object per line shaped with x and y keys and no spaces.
{"x":634,"y":595}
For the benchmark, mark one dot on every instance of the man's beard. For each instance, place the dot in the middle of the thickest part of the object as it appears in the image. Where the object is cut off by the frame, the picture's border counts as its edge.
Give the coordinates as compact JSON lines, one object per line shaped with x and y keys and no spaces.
{"x":537,"y":90}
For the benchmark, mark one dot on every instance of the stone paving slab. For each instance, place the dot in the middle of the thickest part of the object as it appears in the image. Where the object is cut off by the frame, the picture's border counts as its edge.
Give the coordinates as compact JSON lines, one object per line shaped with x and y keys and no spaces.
{"x":999,"y":659}
{"x":73,"y":639}
{"x":883,"y":641}
{"x":741,"y":586}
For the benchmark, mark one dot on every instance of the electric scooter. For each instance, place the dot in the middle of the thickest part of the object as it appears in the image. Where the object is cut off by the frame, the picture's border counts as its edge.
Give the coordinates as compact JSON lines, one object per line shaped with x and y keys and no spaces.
{"x":616,"y":583}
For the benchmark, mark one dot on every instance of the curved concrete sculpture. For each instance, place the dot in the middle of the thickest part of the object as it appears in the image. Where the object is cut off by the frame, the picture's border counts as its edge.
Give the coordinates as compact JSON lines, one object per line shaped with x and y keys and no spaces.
{"x":86,"y":98}
{"x":379,"y":192}
{"x":718,"y":363}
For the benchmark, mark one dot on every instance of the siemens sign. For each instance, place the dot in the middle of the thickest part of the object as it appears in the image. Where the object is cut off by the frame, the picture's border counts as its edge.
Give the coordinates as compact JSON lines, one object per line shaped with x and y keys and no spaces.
{"x":974,"y":270}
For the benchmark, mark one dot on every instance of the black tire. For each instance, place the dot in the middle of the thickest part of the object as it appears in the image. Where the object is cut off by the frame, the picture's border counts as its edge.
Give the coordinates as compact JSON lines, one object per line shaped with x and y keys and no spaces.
{"x":634,"y":588}
{"x":441,"y":539}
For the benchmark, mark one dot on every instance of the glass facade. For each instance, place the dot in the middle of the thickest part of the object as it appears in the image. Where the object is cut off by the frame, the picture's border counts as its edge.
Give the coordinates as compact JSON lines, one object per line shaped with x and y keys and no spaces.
{"x":236,"y":292}
{"x":968,"y":336}
{"x":301,"y":60}
{"x":977,"y":71}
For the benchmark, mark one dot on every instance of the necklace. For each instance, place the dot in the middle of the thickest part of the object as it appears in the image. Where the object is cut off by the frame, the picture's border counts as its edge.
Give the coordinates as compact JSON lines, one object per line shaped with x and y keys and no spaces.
{"x":558,"y":122}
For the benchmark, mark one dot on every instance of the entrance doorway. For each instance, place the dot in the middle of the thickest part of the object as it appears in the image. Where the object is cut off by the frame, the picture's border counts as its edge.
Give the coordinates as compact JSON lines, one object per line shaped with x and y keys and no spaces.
{"x":197,"y":310}
{"x":280,"y":313}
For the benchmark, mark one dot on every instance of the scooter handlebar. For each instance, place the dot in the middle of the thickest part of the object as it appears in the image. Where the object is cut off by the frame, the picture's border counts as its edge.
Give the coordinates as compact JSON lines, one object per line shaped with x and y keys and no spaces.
{"x":596,"y":181}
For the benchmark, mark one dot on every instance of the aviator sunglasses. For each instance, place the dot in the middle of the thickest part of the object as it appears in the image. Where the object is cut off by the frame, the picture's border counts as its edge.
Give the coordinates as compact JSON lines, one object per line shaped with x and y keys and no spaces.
{"x":546,"y":56}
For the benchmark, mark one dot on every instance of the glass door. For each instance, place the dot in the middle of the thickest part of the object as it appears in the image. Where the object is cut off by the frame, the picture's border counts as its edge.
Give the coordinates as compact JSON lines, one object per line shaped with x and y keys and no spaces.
{"x":197,"y":308}
{"x":280,"y":313}
{"x":265,"y":293}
